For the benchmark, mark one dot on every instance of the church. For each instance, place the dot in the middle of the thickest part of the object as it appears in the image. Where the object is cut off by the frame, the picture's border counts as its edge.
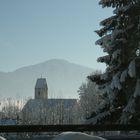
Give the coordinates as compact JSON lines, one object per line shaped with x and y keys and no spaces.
{"x":42,"y":110}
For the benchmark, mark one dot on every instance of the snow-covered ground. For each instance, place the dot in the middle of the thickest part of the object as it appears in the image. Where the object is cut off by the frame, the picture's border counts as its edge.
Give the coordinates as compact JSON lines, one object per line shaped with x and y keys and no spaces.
{"x":76,"y":136}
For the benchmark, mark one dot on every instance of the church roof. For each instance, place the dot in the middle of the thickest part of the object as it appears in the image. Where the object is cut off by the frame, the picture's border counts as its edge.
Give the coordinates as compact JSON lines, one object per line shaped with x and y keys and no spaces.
{"x":49,"y":111}
{"x":37,"y":104}
{"x":41,"y":83}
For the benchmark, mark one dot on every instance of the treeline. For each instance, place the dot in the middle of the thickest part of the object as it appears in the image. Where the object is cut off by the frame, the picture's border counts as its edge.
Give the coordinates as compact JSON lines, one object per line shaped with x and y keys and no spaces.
{"x":10,"y":108}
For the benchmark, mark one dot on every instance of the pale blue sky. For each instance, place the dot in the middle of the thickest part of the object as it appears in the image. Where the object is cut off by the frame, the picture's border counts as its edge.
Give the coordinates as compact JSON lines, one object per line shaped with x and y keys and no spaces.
{"x":33,"y":31}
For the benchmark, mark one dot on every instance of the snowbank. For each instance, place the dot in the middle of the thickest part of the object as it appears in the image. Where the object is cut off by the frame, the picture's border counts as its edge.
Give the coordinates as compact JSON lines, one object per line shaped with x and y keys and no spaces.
{"x":1,"y":138}
{"x":76,"y":136}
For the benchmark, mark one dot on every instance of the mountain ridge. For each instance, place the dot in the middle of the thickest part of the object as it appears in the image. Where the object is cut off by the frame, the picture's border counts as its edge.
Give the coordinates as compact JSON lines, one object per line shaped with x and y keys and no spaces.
{"x":63,"y":78}
{"x":47,"y":61}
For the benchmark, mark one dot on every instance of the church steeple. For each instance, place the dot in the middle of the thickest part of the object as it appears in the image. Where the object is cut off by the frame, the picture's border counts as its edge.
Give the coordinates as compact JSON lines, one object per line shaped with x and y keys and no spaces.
{"x":41,"y":89}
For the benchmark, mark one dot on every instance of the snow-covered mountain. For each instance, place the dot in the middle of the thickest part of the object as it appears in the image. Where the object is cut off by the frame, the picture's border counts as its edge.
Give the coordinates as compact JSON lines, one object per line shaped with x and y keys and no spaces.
{"x":63,"y":79}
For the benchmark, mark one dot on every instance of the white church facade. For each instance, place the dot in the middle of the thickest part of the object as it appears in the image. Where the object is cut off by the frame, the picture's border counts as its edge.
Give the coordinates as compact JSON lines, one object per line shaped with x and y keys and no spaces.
{"x":42,"y":110}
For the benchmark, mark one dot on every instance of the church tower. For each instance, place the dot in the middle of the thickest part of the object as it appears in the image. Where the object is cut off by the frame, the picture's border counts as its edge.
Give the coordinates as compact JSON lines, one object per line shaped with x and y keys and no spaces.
{"x":41,"y":89}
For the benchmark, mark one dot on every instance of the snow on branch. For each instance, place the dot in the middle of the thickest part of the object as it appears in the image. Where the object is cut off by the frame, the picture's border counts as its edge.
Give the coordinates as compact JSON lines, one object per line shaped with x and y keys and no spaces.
{"x":100,"y":32}
{"x":111,"y":95}
{"x":99,"y":117}
{"x":108,"y":47}
{"x":132,"y":69}
{"x":109,"y":91}
{"x":122,"y":9}
{"x":105,"y":59}
{"x":116,"y":33}
{"x":124,"y":118}
{"x":104,"y":39}
{"x":105,"y":88}
{"x":116,"y":82}
{"x":130,"y":106}
{"x":113,"y":3}
{"x":123,"y":76}
{"x":129,"y":9}
{"x":122,"y":40}
{"x":102,"y":105}
{"x":103,"y":31}
{"x":106,"y":3}
{"x":137,"y":89}
{"x":128,"y":111}
{"x":108,"y":21}
{"x":116,"y":53}
{"x":97,"y":79}
{"x":94,"y":78}
{"x":104,"y":76}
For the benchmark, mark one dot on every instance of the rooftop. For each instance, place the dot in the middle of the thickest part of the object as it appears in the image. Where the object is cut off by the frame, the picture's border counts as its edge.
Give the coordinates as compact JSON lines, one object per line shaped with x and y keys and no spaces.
{"x":41,"y":83}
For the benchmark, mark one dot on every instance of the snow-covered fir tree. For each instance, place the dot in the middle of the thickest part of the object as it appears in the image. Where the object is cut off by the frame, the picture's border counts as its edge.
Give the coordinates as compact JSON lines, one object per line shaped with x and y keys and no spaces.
{"x":120,"y":40}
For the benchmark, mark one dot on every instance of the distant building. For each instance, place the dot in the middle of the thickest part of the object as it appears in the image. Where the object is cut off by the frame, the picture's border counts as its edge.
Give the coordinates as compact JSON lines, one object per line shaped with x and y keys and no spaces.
{"x":42,"y":110}
{"x":6,"y":121}
{"x":41,"y":89}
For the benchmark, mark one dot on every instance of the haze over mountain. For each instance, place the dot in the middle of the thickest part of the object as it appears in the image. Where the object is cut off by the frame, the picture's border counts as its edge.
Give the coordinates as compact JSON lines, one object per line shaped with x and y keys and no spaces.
{"x":63,"y":79}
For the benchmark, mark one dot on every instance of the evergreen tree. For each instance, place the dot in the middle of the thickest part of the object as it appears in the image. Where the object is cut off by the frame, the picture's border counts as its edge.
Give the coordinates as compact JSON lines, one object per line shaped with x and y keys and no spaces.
{"x":120,"y":39}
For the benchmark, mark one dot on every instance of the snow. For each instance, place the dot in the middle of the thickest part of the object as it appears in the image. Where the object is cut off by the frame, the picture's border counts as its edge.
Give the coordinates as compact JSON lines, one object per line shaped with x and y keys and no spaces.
{"x":100,"y":115}
{"x":137,"y":89}
{"x":108,"y":21}
{"x":111,"y":96}
{"x":42,"y":111}
{"x":104,"y":76}
{"x":122,"y":9}
{"x":123,"y":76}
{"x":131,"y":69}
{"x":97,"y":118}
{"x":104,"y":59}
{"x":114,"y":39}
{"x":76,"y":136}
{"x":103,"y":40}
{"x":130,"y":106}
{"x":115,"y":33}
{"x":102,"y":105}
{"x":2,"y":138}
{"x":116,"y":82}
{"x":122,"y":40}
{"x":124,"y":118}
{"x":116,"y":53}
{"x":138,"y":52}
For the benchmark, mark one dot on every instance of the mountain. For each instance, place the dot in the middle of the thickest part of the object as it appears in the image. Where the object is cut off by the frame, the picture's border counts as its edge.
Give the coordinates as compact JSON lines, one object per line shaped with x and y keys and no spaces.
{"x":63,"y":79}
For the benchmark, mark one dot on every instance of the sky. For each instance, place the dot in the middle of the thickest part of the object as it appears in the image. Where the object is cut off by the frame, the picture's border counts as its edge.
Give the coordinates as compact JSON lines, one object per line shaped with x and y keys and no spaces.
{"x":33,"y":31}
